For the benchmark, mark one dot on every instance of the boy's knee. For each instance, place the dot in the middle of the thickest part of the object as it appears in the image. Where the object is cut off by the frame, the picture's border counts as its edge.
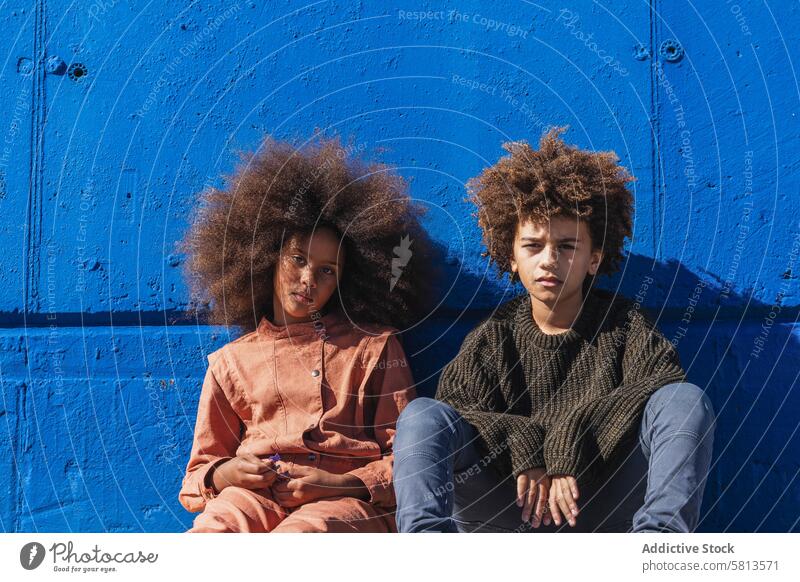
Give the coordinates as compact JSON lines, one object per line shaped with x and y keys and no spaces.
{"x":425,"y":414}
{"x":687,"y":403}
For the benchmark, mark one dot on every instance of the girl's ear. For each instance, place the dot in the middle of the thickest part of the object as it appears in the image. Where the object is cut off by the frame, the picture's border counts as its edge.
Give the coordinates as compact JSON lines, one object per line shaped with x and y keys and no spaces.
{"x":596,"y":260}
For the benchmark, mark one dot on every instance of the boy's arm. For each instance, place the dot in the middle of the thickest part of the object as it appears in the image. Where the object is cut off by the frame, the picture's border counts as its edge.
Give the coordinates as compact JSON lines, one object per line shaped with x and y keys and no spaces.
{"x":390,"y":387}
{"x":598,"y":426}
{"x":472,"y":389}
{"x":216,"y":439}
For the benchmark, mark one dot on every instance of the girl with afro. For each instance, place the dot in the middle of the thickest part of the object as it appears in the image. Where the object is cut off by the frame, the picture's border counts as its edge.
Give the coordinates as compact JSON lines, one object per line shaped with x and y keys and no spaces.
{"x":566,"y":406}
{"x":318,"y":257}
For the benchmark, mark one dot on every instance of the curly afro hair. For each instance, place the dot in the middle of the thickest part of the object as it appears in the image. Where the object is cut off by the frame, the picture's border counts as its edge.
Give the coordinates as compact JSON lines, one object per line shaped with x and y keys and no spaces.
{"x":235,"y":239}
{"x":558,"y":179}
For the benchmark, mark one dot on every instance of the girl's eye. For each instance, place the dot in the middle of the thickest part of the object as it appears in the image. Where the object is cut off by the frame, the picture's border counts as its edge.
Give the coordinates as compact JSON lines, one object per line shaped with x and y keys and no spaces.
{"x":327,"y":270}
{"x":297,"y":259}
{"x":570,"y":247}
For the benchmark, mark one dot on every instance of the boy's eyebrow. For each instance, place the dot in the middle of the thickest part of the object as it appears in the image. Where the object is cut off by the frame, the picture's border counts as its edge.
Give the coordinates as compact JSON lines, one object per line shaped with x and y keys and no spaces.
{"x":537,"y":239}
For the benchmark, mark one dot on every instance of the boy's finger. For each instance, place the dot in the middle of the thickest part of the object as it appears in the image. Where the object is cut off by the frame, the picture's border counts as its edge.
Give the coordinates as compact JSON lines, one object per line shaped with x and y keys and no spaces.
{"x":541,"y":502}
{"x":555,"y":514}
{"x":564,"y":503}
{"x":567,"y":493}
{"x":522,"y":488}
{"x":529,"y":500}
{"x":574,"y":486}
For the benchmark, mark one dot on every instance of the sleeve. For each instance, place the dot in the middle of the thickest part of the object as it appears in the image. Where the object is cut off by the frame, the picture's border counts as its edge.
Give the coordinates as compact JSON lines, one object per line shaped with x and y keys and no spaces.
{"x":514,"y":441}
{"x":217,"y":435}
{"x":390,"y":387}
{"x":596,"y":428}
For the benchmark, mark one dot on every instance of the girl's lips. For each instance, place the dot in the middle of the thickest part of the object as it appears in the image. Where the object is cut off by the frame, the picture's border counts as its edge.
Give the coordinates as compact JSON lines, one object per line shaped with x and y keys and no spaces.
{"x":302,"y":298}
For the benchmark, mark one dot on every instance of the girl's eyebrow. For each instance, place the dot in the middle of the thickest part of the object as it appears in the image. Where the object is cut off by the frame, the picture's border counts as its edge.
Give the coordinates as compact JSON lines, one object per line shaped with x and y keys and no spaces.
{"x":302,"y":252}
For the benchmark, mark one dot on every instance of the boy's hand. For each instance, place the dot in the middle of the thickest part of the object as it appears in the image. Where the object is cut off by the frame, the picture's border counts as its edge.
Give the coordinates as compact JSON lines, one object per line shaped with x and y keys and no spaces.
{"x":563,"y":493}
{"x":245,"y":470}
{"x":299,"y":484}
{"x":532,"y":489}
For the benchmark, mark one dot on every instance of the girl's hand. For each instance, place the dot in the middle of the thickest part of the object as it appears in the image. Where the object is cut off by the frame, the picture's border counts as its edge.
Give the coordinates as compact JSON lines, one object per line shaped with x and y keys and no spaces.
{"x":532,"y":487}
{"x":245,"y":470}
{"x":563,"y":493}
{"x":304,"y":484}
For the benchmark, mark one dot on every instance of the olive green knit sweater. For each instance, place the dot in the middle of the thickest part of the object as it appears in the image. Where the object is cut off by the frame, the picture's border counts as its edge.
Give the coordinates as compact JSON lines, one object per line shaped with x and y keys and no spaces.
{"x":565,"y":402}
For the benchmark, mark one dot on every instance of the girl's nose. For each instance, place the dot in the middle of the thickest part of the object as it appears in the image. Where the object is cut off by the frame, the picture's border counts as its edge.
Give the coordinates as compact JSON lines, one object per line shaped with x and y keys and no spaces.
{"x":307,"y":278}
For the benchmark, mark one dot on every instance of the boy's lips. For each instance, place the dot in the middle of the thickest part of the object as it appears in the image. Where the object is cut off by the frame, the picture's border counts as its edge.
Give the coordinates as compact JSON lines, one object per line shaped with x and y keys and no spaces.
{"x":549,"y":281}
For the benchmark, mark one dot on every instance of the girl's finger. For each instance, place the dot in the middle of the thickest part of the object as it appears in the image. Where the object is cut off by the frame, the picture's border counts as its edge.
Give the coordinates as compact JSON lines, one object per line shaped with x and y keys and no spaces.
{"x":522,"y":489}
{"x":279,"y":487}
{"x":252,"y":480}
{"x":264,"y":467}
{"x":250,"y":467}
{"x":250,"y":458}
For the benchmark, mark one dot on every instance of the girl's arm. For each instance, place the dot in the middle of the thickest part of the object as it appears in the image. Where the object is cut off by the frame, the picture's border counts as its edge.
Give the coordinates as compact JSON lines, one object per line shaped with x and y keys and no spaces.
{"x":390,"y":387}
{"x":217,"y":435}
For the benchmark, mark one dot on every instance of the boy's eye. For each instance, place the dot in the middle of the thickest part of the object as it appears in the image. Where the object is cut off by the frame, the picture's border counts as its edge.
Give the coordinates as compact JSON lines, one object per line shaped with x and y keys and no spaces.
{"x":568,"y":246}
{"x":298,"y":259}
{"x":327,"y":270}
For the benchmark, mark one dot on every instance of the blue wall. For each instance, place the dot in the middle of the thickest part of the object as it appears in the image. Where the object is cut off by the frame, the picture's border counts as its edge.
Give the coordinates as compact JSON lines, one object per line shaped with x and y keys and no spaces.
{"x":114,"y":114}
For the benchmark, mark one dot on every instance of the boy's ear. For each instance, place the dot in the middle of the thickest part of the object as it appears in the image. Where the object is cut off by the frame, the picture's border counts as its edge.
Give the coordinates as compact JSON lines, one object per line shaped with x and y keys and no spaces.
{"x":513,"y":266}
{"x":594,"y":264}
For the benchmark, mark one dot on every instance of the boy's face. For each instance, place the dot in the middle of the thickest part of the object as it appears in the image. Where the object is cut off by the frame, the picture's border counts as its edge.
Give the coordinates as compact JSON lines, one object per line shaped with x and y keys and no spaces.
{"x":553,"y":258}
{"x":308,"y":271}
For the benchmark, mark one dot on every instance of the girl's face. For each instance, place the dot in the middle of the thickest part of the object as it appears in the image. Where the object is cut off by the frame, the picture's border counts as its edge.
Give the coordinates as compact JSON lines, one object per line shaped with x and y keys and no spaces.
{"x":308,"y":271}
{"x":554,"y":257}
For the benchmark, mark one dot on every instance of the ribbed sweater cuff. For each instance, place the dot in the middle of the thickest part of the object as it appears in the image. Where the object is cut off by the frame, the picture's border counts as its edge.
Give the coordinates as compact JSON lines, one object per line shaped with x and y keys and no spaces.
{"x":526,"y":443}
{"x":563,"y":466}
{"x":564,"y":451}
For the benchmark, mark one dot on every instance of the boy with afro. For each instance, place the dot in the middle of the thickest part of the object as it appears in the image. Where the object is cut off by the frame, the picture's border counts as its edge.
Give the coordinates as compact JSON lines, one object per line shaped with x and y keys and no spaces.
{"x":566,"y":406}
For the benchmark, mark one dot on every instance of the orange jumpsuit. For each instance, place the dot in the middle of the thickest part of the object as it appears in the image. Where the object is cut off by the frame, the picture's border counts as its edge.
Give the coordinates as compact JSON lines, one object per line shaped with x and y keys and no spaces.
{"x":325,"y":394}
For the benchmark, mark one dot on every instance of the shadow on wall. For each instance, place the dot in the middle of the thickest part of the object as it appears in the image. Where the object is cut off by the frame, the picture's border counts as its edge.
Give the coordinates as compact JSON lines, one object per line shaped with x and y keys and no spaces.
{"x":741,"y":351}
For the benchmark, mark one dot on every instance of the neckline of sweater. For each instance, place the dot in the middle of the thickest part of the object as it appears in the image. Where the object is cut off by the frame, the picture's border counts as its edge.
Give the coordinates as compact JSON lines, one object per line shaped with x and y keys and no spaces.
{"x":584,"y":326}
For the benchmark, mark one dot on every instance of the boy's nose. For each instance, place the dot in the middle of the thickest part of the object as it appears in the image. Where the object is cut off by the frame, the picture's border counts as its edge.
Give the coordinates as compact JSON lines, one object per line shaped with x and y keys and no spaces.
{"x":551,"y":258}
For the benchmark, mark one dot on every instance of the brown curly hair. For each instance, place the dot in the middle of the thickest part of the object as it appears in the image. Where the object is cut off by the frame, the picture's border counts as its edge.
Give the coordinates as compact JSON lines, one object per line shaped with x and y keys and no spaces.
{"x":558,"y":179}
{"x":280,"y":190}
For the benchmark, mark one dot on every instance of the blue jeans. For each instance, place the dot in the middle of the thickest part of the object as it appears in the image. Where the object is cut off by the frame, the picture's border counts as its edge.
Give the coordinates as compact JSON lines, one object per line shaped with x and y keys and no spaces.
{"x":443,"y":482}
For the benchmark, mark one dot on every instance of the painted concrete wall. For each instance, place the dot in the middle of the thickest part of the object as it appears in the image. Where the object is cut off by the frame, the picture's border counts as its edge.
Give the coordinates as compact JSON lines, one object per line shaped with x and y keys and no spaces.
{"x":115,"y":114}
